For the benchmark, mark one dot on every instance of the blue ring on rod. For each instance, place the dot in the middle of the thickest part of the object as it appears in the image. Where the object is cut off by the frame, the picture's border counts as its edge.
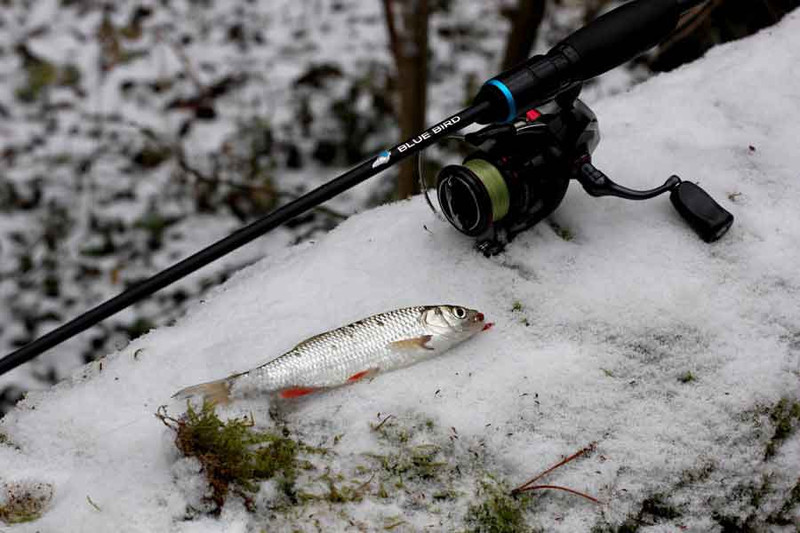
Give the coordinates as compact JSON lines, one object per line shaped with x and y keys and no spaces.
{"x":512,"y":105}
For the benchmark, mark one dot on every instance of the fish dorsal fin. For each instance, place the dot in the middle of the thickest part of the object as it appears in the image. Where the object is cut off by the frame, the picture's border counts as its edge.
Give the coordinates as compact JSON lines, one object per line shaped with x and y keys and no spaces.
{"x":309,"y":340}
{"x":414,"y":343}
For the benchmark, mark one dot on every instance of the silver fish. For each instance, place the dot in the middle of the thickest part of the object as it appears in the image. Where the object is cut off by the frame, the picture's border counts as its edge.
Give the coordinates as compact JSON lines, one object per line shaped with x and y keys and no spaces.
{"x":348,"y":354}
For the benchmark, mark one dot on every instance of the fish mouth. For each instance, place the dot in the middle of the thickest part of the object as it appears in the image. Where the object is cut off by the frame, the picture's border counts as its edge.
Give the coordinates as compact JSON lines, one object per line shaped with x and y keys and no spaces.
{"x":479,"y":318}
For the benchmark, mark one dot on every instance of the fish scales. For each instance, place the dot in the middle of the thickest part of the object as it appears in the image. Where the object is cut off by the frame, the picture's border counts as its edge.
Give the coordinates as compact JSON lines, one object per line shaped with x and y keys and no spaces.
{"x":333,"y":357}
{"x":381,"y":342}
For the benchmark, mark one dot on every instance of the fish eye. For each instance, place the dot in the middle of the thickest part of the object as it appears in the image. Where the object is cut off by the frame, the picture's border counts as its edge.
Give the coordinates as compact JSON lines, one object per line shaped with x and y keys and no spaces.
{"x":460,"y":312}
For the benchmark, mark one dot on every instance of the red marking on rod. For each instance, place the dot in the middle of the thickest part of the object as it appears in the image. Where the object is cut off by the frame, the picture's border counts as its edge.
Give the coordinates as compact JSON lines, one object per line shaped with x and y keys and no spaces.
{"x":296,"y":393}
{"x":356,"y":377}
{"x":532,"y":115}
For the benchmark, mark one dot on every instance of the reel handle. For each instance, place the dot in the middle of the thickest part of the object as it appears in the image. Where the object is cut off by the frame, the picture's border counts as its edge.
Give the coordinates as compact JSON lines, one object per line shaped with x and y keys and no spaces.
{"x":706,"y":217}
{"x":596,"y":183}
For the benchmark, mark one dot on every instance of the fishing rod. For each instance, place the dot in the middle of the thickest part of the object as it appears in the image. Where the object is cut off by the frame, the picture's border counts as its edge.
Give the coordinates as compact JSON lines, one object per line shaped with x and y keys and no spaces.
{"x":500,"y":191}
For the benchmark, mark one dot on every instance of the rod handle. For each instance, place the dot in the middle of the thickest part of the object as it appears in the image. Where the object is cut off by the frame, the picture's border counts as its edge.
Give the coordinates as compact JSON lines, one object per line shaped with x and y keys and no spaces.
{"x":607,"y":42}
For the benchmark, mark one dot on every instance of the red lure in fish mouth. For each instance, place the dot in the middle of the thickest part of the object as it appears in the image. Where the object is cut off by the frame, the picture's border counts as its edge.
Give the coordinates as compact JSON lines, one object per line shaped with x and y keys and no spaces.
{"x":479,"y":318}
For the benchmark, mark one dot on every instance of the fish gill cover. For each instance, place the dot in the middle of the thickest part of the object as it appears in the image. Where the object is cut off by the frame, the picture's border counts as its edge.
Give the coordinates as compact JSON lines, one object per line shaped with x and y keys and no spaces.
{"x":679,"y":360}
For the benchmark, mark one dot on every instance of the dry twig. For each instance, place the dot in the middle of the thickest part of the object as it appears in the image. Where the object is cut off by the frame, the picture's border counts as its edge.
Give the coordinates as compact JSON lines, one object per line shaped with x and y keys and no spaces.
{"x":529,"y":485}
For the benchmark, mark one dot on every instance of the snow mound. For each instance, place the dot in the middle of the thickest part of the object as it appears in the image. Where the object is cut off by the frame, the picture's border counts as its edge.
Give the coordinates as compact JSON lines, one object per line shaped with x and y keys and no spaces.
{"x":615,"y":324}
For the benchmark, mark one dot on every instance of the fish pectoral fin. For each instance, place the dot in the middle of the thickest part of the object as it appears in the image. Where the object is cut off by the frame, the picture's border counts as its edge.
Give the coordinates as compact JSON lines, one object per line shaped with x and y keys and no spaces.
{"x":413,"y":344}
{"x":368,"y":373}
{"x":296,"y":392}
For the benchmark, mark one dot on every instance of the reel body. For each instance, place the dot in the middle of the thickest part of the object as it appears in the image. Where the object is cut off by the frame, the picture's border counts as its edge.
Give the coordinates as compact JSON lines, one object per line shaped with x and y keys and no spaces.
{"x":518,"y":175}
{"x":520,"y":172}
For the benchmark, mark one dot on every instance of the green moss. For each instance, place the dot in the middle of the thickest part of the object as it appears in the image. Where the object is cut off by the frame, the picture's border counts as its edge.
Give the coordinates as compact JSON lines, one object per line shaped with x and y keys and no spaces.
{"x":657,"y":507}
{"x":785,"y":516}
{"x":234,"y":456}
{"x":693,"y":476}
{"x":654,"y":509}
{"x":686,"y":377}
{"x":69,"y":76}
{"x":628,"y":526}
{"x":382,"y":493}
{"x":407,"y":461}
{"x":518,"y":308}
{"x":393,"y":522}
{"x":138,"y":327}
{"x":785,"y":417}
{"x":40,"y":75}
{"x":342,"y":493}
{"x":418,"y":463}
{"x":390,"y":431}
{"x":445,"y":495}
{"x":154,"y":222}
{"x":152,"y":155}
{"x":419,"y":467}
{"x":156,"y":226}
{"x":564,"y":233}
{"x":497,"y":512}
{"x":24,"y":502}
{"x":749,"y":496}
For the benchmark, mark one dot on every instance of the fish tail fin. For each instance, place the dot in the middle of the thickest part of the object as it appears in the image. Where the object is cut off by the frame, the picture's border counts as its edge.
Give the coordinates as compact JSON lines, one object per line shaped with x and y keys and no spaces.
{"x":217,"y":392}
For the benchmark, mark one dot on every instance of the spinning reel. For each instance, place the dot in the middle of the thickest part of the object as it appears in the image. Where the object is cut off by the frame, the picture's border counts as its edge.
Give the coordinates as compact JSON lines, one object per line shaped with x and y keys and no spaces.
{"x":520,"y":171}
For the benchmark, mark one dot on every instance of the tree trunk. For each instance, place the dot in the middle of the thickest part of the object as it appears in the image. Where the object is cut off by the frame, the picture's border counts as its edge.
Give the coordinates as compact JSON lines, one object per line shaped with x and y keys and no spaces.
{"x":407,"y":25}
{"x":525,"y":21}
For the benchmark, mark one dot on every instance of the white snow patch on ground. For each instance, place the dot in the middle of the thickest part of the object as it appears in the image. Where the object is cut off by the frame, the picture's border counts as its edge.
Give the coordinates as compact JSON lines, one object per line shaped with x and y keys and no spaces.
{"x":611,"y":323}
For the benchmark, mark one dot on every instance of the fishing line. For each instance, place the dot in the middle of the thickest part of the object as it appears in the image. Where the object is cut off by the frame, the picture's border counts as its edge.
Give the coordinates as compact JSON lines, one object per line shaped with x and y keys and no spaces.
{"x":423,"y":183}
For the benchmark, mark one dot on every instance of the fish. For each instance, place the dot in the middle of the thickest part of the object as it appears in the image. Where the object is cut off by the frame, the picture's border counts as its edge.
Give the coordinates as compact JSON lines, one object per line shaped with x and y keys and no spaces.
{"x":351,"y":353}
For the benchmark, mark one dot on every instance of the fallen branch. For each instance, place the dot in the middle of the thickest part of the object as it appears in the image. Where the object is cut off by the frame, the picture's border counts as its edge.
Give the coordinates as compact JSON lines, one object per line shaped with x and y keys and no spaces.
{"x":529,"y":485}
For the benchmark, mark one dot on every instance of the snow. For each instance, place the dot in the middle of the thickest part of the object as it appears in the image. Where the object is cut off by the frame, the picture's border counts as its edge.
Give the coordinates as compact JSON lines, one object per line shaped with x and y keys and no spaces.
{"x":594,"y":341}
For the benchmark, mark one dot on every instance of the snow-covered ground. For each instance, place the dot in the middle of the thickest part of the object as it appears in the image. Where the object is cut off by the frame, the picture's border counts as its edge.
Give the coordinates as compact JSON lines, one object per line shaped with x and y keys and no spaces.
{"x":671,"y":354}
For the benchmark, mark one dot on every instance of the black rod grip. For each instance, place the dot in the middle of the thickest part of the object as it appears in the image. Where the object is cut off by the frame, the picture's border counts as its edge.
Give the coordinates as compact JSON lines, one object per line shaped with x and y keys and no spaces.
{"x":607,"y":42}
{"x":621,"y":34}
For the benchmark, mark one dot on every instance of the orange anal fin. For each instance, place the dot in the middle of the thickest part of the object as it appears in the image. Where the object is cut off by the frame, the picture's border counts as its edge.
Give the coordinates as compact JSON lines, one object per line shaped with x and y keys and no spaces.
{"x":361,"y":375}
{"x":413,"y":344}
{"x":296,"y":392}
